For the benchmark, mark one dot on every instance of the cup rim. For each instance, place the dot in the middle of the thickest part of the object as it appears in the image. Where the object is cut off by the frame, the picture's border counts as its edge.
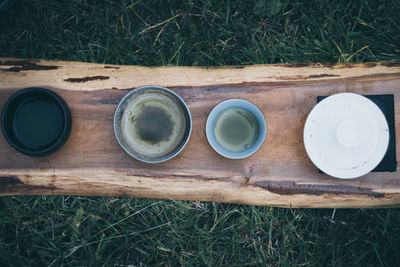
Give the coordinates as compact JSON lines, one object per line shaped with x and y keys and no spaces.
{"x":64,"y":135}
{"x":240,"y":103}
{"x":117,"y":123}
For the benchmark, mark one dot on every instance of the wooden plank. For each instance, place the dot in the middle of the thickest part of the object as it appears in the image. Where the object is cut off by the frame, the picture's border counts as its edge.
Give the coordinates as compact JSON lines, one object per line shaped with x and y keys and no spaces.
{"x":280,"y":174}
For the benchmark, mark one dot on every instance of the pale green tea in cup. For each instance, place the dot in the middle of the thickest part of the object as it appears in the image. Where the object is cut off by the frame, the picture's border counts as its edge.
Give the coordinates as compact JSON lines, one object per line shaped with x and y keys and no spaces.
{"x":235,"y":129}
{"x":152,"y":124}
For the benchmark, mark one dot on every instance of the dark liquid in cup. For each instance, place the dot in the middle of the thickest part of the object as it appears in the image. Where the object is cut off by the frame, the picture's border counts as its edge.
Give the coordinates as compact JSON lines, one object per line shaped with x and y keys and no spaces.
{"x":153,"y":124}
{"x":235,"y":129}
{"x":38,"y":123}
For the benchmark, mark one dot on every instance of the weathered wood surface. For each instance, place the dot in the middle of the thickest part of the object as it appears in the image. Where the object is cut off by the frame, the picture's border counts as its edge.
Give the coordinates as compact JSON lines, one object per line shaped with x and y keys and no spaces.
{"x":279,"y":174}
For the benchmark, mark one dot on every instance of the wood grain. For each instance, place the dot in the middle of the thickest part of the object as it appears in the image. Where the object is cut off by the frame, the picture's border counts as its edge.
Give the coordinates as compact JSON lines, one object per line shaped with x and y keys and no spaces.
{"x":279,"y":174}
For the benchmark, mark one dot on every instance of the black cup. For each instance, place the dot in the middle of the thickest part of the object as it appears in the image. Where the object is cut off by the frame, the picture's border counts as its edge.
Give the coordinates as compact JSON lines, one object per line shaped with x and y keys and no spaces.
{"x":36,"y":121}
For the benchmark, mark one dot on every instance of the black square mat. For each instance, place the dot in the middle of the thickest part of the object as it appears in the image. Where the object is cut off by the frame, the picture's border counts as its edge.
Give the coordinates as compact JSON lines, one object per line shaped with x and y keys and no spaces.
{"x":386,"y":104}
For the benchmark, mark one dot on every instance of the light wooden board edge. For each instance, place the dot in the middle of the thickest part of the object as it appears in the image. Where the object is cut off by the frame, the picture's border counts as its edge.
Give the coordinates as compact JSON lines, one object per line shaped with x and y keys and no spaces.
{"x":106,"y":182}
{"x":90,"y":76}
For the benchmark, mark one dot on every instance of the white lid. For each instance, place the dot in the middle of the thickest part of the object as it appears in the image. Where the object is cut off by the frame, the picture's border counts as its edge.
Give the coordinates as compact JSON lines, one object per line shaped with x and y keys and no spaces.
{"x":346,"y":135}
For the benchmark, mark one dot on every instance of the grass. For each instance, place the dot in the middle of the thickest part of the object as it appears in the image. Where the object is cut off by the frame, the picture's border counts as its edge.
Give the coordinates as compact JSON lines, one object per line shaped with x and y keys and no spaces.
{"x":96,"y":231}
{"x":44,"y":230}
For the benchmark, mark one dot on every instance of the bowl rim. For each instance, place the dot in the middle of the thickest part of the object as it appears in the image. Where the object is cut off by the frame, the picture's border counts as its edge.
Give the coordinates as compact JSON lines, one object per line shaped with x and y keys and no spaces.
{"x":64,"y":135}
{"x":117,"y":123}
